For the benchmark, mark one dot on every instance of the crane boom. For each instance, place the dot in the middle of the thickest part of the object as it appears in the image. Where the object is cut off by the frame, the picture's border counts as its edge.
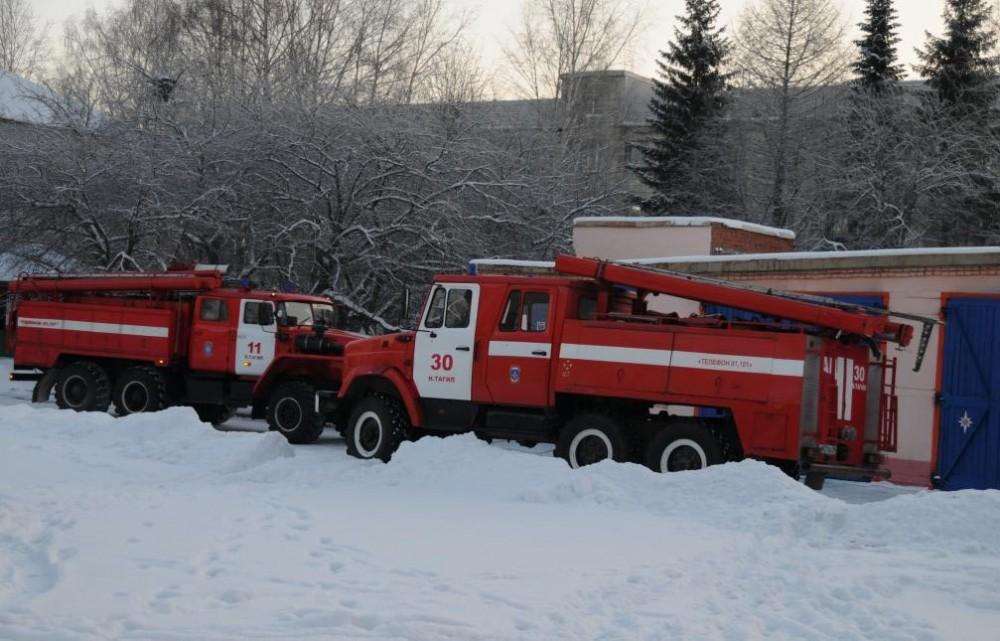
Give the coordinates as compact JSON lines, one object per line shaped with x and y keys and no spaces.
{"x":859,"y":320}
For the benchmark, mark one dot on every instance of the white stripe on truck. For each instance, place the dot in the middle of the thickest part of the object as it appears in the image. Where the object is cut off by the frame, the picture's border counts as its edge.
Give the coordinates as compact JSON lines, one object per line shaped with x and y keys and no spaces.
{"x":612,"y":354}
{"x":94,"y":327}
{"x":520,"y":350}
{"x":690,"y":360}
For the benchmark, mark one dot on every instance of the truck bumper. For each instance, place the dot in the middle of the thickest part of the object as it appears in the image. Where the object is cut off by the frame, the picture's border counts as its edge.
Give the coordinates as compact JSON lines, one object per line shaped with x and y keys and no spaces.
{"x":817,"y":472}
{"x":26,"y":375}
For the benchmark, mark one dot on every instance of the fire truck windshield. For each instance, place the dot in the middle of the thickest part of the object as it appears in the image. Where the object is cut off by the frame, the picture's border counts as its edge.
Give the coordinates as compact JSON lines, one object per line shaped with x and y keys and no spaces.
{"x":306,"y":313}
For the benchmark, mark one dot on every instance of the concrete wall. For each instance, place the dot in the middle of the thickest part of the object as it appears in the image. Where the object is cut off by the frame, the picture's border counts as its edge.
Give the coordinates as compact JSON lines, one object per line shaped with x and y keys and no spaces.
{"x":641,"y":242}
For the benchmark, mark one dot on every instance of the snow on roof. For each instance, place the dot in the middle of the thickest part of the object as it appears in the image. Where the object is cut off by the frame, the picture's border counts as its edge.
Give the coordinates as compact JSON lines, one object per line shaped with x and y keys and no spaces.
{"x":510,"y":262}
{"x":19,"y":100}
{"x":681,"y":221}
{"x":822,"y":255}
{"x":13,"y":265}
{"x":10,"y":267}
{"x":744,"y":258}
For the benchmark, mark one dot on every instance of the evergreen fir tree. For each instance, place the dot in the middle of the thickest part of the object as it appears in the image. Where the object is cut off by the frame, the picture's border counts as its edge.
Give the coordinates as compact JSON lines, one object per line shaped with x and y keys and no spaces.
{"x":876,"y":71}
{"x":961,"y":66}
{"x":689,"y":96}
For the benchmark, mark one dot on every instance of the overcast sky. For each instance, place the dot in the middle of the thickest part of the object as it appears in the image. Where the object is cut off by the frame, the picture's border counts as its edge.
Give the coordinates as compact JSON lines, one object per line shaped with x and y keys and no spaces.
{"x":493,"y":20}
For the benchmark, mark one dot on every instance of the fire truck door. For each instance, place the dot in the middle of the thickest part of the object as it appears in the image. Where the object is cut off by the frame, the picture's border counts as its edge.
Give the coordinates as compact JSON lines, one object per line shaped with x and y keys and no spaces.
{"x":520,"y":350}
{"x":212,"y":336}
{"x":444,"y":349}
{"x":254,"y":342}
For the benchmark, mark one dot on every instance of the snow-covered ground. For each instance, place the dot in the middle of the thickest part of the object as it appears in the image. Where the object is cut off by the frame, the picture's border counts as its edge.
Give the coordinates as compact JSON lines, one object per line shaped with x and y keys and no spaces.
{"x":158,"y":527}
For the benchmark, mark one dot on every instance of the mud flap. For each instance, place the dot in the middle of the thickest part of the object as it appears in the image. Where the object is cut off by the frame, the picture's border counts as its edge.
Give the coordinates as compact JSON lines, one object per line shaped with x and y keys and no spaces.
{"x":815,"y":479}
{"x":43,"y":388}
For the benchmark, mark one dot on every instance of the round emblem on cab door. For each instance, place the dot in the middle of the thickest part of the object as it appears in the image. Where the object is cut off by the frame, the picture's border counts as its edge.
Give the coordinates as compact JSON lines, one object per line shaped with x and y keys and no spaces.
{"x":515,"y":373}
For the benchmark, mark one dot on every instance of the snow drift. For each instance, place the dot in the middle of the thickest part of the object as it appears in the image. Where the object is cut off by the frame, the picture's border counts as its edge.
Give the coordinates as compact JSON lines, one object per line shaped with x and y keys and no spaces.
{"x":159,"y":527}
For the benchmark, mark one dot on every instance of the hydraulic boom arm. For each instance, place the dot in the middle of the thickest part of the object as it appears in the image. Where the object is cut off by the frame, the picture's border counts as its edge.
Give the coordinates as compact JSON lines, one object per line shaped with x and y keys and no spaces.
{"x":859,"y":320}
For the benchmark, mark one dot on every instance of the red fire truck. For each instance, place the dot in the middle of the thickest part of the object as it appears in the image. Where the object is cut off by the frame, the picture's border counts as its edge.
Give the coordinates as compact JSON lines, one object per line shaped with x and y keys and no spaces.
{"x":145,"y":341}
{"x":578,"y":359}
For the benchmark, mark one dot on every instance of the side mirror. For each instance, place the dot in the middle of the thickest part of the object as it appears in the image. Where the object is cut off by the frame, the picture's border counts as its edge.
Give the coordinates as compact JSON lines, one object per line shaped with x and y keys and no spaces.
{"x":289,"y":321}
{"x":265,"y":315}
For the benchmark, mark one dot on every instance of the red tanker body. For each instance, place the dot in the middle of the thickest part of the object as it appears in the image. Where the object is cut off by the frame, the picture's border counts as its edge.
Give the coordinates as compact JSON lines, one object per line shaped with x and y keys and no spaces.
{"x":579,"y":360}
{"x":144,"y":341}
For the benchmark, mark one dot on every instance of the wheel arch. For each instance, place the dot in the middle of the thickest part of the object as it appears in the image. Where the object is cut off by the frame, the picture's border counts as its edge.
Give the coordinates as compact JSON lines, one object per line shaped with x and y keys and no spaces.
{"x":320,"y":372}
{"x":360,"y":383}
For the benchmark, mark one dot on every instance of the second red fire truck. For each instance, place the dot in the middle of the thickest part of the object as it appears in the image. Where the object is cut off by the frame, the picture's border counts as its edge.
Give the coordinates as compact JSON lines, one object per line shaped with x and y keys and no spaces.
{"x":142,"y":342}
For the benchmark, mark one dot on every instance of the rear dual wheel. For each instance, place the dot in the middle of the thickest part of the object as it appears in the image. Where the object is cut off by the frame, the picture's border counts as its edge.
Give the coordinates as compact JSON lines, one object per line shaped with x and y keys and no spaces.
{"x":83,"y":386}
{"x":589,"y":438}
{"x":682,"y":444}
{"x":140,"y":388}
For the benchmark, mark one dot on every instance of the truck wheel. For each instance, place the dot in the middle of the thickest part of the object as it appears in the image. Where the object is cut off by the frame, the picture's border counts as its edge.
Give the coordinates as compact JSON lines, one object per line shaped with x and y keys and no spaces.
{"x":140,"y":389}
{"x":376,"y":427}
{"x":83,"y":386}
{"x":589,"y":438}
{"x":682,"y":445}
{"x":214,"y":414}
{"x":291,"y":410}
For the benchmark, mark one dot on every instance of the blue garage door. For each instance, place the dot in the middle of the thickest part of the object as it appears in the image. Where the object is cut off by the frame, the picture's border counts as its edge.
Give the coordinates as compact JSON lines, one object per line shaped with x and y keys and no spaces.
{"x":969,"y":442}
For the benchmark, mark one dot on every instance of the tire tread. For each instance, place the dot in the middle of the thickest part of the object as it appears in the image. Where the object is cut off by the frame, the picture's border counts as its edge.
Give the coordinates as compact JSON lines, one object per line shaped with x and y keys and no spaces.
{"x":304,"y":393}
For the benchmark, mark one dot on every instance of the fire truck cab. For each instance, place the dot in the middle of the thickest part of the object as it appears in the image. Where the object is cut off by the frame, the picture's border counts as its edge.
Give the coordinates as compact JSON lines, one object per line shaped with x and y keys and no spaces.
{"x":578,"y":359}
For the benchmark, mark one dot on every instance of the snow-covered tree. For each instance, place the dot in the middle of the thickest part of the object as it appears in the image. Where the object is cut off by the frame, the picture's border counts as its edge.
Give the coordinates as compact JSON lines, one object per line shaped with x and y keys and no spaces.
{"x":877,"y":70}
{"x":961,"y":67}
{"x":560,"y":38}
{"x":792,"y":56}
{"x":22,"y":38}
{"x":690,"y":96}
{"x":295,"y":146}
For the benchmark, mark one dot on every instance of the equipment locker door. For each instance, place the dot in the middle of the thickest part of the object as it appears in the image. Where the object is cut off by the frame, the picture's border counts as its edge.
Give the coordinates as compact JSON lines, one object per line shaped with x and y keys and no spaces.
{"x":969,"y":427}
{"x":444,"y":349}
{"x":212,"y":336}
{"x":254,"y":342}
{"x":520,"y":350}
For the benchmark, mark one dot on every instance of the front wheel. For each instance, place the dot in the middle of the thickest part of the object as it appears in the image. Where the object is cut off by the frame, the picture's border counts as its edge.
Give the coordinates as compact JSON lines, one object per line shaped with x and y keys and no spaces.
{"x":291,"y":410}
{"x":682,"y":445}
{"x":376,"y":428}
{"x":590,"y":438}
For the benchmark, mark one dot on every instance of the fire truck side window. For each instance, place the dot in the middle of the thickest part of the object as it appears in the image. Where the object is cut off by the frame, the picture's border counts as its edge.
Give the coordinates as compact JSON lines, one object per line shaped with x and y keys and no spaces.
{"x":511,"y":312}
{"x":459,"y":306}
{"x":435,"y":311}
{"x":587,"y":308}
{"x":251,"y":312}
{"x":536,"y":312}
{"x":214,"y":309}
